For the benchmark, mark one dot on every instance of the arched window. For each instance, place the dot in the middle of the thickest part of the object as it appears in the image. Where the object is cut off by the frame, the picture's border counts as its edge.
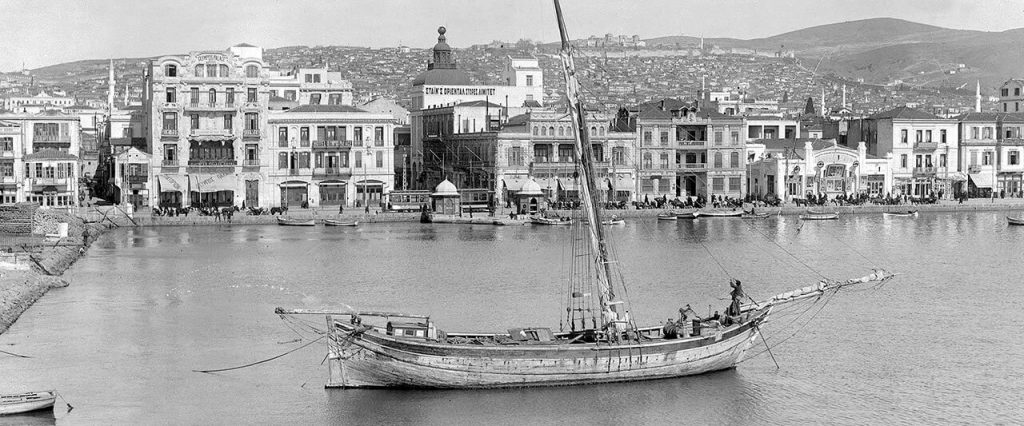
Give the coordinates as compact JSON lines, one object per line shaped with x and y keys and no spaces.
{"x":601,"y":130}
{"x":561,"y":131}
{"x":551,"y":130}
{"x":535,"y":131}
{"x":647,"y":161}
{"x":543,"y":131}
{"x":718,"y":160}
{"x":211,"y":70}
{"x":252,"y":71}
{"x":593,"y":131}
{"x":223,"y":70}
{"x":734,"y":159}
{"x":171,"y":70}
{"x":213,"y":96}
{"x":199,"y":70}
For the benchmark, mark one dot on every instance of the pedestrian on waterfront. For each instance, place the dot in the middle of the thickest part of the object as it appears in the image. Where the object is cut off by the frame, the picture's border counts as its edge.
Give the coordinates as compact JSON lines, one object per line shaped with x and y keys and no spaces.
{"x":367,"y":209}
{"x":341,"y":209}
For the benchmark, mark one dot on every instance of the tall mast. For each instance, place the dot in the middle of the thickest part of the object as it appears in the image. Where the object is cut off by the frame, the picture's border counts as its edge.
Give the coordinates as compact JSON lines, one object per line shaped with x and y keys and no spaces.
{"x":584,"y":157}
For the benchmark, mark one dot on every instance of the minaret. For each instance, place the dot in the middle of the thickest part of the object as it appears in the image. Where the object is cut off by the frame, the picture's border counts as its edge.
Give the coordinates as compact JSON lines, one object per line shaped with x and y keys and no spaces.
{"x":977,"y":97}
{"x":702,"y":42}
{"x":844,"y":96}
{"x":110,"y":89}
{"x":823,"y":113}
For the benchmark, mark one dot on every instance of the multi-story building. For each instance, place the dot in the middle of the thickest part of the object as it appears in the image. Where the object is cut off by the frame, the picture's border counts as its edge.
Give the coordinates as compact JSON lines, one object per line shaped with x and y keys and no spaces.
{"x":38,"y":103}
{"x":329,"y":155}
{"x":990,"y":152}
{"x":924,"y":148}
{"x":39,"y":158}
{"x":443,"y":84}
{"x":492,"y":163}
{"x":311,"y":86}
{"x":207,"y":112}
{"x":794,"y":168}
{"x":1011,"y":95}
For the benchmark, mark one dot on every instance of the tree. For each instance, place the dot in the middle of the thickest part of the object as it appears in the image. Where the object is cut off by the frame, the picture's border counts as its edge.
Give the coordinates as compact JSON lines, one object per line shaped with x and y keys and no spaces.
{"x":809,"y":108}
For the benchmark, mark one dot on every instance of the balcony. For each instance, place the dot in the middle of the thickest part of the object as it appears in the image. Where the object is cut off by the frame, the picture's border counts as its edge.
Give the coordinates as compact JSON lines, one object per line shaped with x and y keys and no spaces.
{"x":329,"y":144}
{"x":54,"y":139}
{"x":926,"y":146}
{"x":169,"y":163}
{"x":193,"y":133}
{"x":213,"y":162}
{"x":49,"y":181}
{"x":974,"y":169}
{"x":328,"y":172}
{"x":693,"y":167}
{"x":251,"y":163}
{"x":169,"y":133}
{"x":209,"y":106}
{"x":138,"y":179}
{"x":925,"y":171}
{"x":692,"y":144}
{"x":8,"y":179}
{"x":251,"y":133}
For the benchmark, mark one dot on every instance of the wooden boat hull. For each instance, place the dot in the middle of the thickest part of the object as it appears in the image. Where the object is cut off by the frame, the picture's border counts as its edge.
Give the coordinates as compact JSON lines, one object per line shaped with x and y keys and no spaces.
{"x":670,"y":216}
{"x":27,"y":402}
{"x":900,"y":214}
{"x":552,"y":222}
{"x":718,"y":213}
{"x":688,"y":215}
{"x":295,"y":222}
{"x":614,"y":222}
{"x":819,"y":216}
{"x":376,"y":360}
{"x":1017,"y":221}
{"x":755,"y":216}
{"x":332,"y":222}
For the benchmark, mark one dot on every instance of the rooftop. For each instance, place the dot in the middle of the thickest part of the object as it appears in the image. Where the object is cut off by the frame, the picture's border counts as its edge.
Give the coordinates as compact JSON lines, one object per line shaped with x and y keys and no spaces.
{"x":324,"y":108}
{"x":905,"y":113}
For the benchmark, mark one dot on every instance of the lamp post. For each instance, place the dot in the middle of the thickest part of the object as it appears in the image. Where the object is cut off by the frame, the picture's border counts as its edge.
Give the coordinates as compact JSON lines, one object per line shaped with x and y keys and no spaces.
{"x":366,"y":143}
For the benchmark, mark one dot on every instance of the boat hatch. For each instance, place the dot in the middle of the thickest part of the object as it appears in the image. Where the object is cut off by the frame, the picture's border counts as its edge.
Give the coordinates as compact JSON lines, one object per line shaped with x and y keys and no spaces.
{"x":531,"y":334}
{"x":407,"y":329}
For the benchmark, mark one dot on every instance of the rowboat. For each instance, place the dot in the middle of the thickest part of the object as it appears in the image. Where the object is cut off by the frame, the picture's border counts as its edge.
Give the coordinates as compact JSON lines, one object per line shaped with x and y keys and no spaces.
{"x":755,"y":215}
{"x":597,"y":340}
{"x":613,"y":221}
{"x":668,"y":216}
{"x":1015,"y":220}
{"x":539,"y":220}
{"x":718,"y":213}
{"x":333,"y":222}
{"x":287,"y":221}
{"x":687,"y":215}
{"x":907,"y":213}
{"x":810,"y":215}
{"x":27,"y":402}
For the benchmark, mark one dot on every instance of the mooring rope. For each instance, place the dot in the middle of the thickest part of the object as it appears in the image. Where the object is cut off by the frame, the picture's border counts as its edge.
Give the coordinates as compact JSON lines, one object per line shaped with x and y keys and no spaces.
{"x":14,"y":354}
{"x":261,"y":361}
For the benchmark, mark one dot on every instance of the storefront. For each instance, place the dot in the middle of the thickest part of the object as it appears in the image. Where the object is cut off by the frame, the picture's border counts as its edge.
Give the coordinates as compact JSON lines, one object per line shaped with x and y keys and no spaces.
{"x":332,"y":192}
{"x":212,"y":190}
{"x":171,"y":187}
{"x":1009,"y":183}
{"x":369,"y":191}
{"x":294,"y":193}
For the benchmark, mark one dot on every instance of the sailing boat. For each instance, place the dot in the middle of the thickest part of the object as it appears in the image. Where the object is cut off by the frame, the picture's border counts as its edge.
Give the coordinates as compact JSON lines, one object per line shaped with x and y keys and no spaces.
{"x":598,"y":342}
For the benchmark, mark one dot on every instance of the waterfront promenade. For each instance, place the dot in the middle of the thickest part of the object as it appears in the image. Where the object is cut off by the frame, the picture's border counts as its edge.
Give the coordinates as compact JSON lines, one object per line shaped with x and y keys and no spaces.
{"x":143,"y":218}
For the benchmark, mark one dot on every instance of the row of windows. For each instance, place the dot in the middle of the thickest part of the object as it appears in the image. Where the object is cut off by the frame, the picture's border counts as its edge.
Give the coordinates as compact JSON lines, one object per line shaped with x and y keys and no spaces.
{"x":542,"y":154}
{"x":252,"y":121}
{"x":924,"y":160}
{"x":38,"y":170}
{"x":331,"y":133}
{"x":1012,"y":158}
{"x":564,"y":131}
{"x":171,"y":96}
{"x":1006,"y":91}
{"x":922,"y":136}
{"x":301,"y":160}
{"x":212,"y":71}
{"x":718,"y":184}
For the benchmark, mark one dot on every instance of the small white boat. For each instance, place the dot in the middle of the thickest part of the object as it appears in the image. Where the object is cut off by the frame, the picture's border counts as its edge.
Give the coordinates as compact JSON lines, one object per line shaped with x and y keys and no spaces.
{"x":688,"y":215}
{"x":747,"y":215}
{"x":287,"y":221}
{"x":27,"y":402}
{"x":668,"y":216}
{"x":538,"y":220}
{"x":906,"y":213}
{"x":718,"y":213}
{"x":1015,"y":220}
{"x":812,"y":215}
{"x":614,"y":220}
{"x":333,"y":222}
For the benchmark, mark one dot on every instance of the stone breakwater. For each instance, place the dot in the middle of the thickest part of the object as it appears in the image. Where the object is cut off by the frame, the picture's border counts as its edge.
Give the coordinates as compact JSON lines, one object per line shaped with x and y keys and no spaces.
{"x":32,"y":273}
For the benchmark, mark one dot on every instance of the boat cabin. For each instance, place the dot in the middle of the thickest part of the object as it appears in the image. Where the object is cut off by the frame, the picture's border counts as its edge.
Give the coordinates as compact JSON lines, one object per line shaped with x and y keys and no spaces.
{"x":531,"y":334}
{"x":409,"y":329}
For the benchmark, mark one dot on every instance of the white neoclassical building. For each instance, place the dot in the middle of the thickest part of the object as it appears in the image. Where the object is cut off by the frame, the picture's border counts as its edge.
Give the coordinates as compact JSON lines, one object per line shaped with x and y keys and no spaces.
{"x":794,"y":168}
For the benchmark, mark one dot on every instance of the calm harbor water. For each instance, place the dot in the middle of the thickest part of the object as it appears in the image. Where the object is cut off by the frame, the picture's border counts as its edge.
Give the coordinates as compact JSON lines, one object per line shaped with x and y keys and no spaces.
{"x":940,"y":344}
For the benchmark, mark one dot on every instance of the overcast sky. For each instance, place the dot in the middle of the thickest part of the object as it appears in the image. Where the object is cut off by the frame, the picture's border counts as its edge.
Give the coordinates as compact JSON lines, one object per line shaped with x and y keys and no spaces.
{"x":47,"y":32}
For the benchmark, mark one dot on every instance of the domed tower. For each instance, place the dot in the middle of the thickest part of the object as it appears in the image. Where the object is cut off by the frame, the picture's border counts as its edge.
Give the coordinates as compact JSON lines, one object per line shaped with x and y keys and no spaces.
{"x":443,"y":58}
{"x":441,"y":69}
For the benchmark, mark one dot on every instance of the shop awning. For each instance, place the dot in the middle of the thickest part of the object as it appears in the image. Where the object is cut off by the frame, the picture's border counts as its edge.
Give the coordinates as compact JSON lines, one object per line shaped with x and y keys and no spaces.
{"x":514,"y":183}
{"x":333,"y":183}
{"x":623,"y":183}
{"x":957,"y":176}
{"x":211,"y":138}
{"x":209,"y":182}
{"x":547,"y":183}
{"x":982,"y":180}
{"x":173,"y":183}
{"x":567,"y":185}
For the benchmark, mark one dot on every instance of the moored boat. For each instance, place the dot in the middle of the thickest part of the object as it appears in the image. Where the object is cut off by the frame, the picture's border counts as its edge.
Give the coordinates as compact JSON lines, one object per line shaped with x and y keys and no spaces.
{"x":668,"y":216}
{"x":1014,"y":220}
{"x":335,"y":222}
{"x":718,"y":213}
{"x":287,"y":221}
{"x":688,"y":215}
{"x":613,"y":221}
{"x":813,"y":215}
{"x":748,"y":215}
{"x":597,"y":340}
{"x":903,"y":213}
{"x":540,"y":220}
{"x":27,"y":402}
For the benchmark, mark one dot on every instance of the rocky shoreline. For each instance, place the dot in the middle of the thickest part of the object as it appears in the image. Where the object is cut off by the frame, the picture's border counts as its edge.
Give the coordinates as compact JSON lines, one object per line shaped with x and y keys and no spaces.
{"x":24,"y":282}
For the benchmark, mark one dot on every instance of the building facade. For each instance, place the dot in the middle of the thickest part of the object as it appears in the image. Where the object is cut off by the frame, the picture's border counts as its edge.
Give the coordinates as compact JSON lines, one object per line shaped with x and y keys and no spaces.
{"x":329,"y":156}
{"x":207,"y":112}
{"x":798,"y":168}
{"x":39,"y":158}
{"x":991,"y":153}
